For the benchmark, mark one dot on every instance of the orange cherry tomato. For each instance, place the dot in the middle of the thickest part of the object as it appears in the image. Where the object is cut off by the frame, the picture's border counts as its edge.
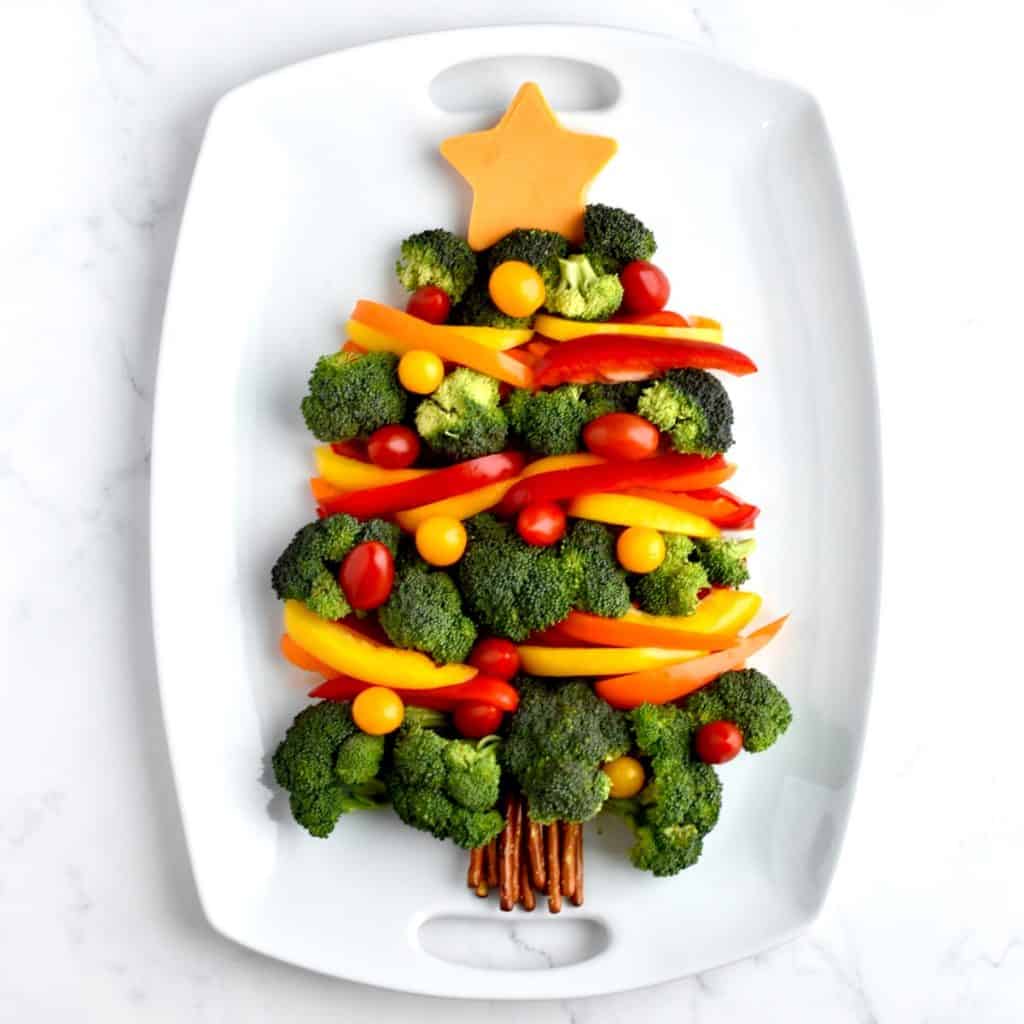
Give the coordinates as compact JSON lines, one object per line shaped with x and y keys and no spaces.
{"x":378,"y":711}
{"x":621,"y":436}
{"x":420,"y":371}
{"x":516,"y":288}
{"x":626,"y":775}
{"x":640,"y":549}
{"x":441,"y":540}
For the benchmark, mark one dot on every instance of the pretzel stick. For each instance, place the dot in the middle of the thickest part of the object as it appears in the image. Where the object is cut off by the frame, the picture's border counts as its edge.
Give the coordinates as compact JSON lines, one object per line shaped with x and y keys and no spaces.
{"x":535,"y":852}
{"x":526,"y":894}
{"x":554,"y":882}
{"x":516,"y":813}
{"x":491,"y":861}
{"x":568,"y":867}
{"x":475,"y":874}
{"x":577,"y":896}
{"x":509,"y":859}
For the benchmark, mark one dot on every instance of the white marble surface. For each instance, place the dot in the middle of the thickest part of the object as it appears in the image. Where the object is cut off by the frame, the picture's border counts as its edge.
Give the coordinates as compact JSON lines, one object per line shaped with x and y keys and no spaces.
{"x":103,"y":105}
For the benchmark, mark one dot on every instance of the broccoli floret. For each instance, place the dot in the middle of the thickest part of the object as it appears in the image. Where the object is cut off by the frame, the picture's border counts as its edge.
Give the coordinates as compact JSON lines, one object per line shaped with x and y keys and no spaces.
{"x":328,"y":766}
{"x":446,"y":787}
{"x":612,"y":238}
{"x":424,"y":613}
{"x":461,"y":419}
{"x":581,"y":293}
{"x":513,"y":588}
{"x":541,"y":249}
{"x":681,"y":801}
{"x":748,"y":698}
{"x":693,"y":408}
{"x":672,"y":588}
{"x":352,"y":395}
{"x":557,"y":742}
{"x":725,"y":561}
{"x":477,"y":310}
{"x":552,"y":422}
{"x":307,"y":569}
{"x":439,"y":258}
{"x":604,"y":589}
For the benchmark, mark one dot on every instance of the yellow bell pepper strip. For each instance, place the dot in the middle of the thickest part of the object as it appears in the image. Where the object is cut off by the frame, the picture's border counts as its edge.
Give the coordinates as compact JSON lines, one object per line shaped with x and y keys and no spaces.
{"x":557,"y":329}
{"x":538,"y":660}
{"x":462,"y":506}
{"x":499,"y":338}
{"x":661,"y":685}
{"x":626,"y":510}
{"x":722,"y":611}
{"x":349,"y":653}
{"x":605,"y":632}
{"x":353,"y":475}
{"x":399,"y":332}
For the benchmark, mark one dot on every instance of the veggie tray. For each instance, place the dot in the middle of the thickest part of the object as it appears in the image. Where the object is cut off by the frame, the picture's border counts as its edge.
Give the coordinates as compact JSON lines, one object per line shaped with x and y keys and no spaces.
{"x":518,"y":603}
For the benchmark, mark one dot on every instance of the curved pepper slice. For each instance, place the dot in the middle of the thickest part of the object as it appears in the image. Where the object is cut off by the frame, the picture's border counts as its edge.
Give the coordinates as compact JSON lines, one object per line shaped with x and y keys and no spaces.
{"x":441,"y":483}
{"x":348,"y":474}
{"x":631,"y":356}
{"x":499,"y":338}
{"x":482,"y":689}
{"x":556,"y":328}
{"x":625,"y":510}
{"x":395,"y":331}
{"x":539,"y":660}
{"x":722,"y":611}
{"x":664,"y":472}
{"x":742,"y":515}
{"x":301,"y":658}
{"x":349,"y":653}
{"x":595,"y":629}
{"x":661,"y":685}
{"x":663,"y":318}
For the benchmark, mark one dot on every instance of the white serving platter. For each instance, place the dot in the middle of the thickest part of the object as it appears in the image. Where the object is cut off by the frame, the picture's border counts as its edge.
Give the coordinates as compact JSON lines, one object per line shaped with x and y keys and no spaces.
{"x":307,"y":180}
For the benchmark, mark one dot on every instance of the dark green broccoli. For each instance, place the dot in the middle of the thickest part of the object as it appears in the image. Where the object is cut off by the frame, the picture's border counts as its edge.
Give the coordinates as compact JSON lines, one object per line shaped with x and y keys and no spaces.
{"x":307,"y":569}
{"x":750,"y":700}
{"x":424,"y":613}
{"x":604,"y":589}
{"x":448,"y":788}
{"x":693,"y":408}
{"x":681,"y":801}
{"x":461,"y":419}
{"x":513,"y":588}
{"x":581,"y":293}
{"x":552,"y":422}
{"x":328,"y":766}
{"x":541,"y":249}
{"x":612,"y":238}
{"x":353,"y":395}
{"x":439,"y":258}
{"x":557,"y":742}
{"x":672,"y":588}
{"x":477,"y":310}
{"x":725,"y":561}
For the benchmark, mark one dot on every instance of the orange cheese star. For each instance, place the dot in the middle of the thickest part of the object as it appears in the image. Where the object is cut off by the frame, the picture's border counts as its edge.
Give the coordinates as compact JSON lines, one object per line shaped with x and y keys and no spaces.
{"x":528,"y":171}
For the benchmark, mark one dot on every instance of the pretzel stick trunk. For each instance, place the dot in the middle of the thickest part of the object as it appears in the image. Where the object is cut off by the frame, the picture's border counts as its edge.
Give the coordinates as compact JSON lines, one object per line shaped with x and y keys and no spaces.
{"x":577,"y":896}
{"x":535,"y":853}
{"x":475,"y":874}
{"x":509,"y":848}
{"x":553,"y":866}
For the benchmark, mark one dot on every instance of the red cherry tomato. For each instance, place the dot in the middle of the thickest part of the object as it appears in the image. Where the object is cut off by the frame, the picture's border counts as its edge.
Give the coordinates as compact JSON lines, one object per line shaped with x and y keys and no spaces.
{"x":645,"y":288}
{"x":621,"y":435}
{"x":367,"y":574}
{"x":429,"y":303}
{"x":496,"y":657}
{"x":541,"y":524}
{"x":718,"y":742}
{"x":393,"y":447}
{"x":474,"y":720}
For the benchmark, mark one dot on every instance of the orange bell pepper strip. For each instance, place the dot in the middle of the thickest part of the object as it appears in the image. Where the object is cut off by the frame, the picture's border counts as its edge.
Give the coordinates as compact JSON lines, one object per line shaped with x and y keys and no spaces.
{"x":595,"y":629}
{"x":558,"y":329}
{"x":322,"y":489}
{"x":722,"y":611}
{"x":546,"y":660}
{"x":352,"y":654}
{"x":399,"y":332}
{"x":625,"y":510}
{"x":347,"y":474}
{"x":301,"y":658}
{"x":661,"y":685}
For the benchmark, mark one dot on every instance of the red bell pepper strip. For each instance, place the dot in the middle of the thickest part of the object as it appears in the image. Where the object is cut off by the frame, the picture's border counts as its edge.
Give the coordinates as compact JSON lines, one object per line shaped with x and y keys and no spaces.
{"x":663,"y":318}
{"x":445,"y":483}
{"x":743,"y":514}
{"x":721,"y":507}
{"x":351,"y":450}
{"x":488,"y":690}
{"x":664,"y":472}
{"x":661,"y":685}
{"x":603,"y":632}
{"x":617,"y":357}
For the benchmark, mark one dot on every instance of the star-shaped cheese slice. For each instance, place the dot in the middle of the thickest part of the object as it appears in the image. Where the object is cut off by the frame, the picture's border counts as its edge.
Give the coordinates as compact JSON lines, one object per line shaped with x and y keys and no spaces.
{"x":528,"y":171}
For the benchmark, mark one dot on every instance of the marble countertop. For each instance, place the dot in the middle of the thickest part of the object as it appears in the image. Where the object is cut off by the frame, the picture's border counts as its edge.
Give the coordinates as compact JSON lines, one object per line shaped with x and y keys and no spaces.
{"x":104,"y":104}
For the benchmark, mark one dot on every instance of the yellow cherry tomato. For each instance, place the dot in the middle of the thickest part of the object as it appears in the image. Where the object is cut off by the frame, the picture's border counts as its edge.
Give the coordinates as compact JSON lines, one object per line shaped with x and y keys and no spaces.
{"x":420,"y":371}
{"x":640,"y":549}
{"x":378,"y":710}
{"x":516,"y":288}
{"x":627,"y":776}
{"x":440,"y":540}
